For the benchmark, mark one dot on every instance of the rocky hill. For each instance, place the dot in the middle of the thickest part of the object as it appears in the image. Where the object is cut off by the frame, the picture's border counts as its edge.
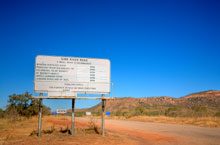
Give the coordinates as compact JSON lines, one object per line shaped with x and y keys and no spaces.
{"x":207,"y":101}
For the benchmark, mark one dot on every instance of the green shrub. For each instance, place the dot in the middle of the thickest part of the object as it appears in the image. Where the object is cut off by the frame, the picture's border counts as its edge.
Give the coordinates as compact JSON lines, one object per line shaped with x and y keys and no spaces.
{"x":80,"y":114}
{"x":217,"y":114}
{"x":172,"y":112}
{"x":152,"y":113}
{"x":199,"y":111}
{"x":118,"y":113}
{"x":96,"y":113}
{"x":2,"y":113}
{"x":199,"y":108}
{"x":140,"y":110}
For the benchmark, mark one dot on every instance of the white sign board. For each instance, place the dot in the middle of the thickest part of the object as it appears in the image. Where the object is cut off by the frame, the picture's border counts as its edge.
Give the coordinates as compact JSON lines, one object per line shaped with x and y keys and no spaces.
{"x":69,"y":75}
{"x":61,"y":111}
{"x":88,"y":113}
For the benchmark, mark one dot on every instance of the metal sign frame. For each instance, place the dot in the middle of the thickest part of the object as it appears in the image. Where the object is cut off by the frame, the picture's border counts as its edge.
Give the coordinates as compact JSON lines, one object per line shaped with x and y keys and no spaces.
{"x":103,"y":98}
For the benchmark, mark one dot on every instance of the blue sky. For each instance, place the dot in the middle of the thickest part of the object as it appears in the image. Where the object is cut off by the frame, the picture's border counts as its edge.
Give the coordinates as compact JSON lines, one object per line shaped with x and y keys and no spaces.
{"x":156,"y":48}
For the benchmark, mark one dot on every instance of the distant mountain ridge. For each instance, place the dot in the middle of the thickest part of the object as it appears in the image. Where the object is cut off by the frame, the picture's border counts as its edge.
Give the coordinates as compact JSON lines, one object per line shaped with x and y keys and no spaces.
{"x":208,"y":99}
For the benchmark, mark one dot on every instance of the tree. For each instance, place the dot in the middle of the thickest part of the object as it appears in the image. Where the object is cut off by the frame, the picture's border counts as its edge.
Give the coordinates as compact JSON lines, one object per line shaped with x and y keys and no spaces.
{"x":199,"y":111}
{"x":2,"y":112}
{"x":24,"y":105}
{"x":140,"y":110}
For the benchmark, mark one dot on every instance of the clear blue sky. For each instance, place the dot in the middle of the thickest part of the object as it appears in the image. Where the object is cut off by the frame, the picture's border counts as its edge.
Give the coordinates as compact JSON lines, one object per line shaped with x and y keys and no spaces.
{"x":156,"y":48}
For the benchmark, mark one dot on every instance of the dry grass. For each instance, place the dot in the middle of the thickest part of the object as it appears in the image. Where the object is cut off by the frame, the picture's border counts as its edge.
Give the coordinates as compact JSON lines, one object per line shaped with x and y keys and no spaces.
{"x":200,"y":121}
{"x":14,"y":130}
{"x":25,"y":132}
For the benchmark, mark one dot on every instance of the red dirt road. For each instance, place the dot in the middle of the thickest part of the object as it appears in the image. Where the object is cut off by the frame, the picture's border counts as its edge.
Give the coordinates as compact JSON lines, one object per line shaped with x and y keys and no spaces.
{"x":162,"y":134}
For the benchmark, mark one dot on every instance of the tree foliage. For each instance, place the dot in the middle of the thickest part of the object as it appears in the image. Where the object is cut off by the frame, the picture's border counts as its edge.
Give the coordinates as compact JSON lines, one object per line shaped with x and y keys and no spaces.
{"x":1,"y":113}
{"x":23,"y":105}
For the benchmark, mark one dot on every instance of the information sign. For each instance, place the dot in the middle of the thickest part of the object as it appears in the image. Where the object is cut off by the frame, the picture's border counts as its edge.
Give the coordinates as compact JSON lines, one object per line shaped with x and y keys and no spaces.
{"x":64,"y":76}
{"x":88,"y":113}
{"x":61,"y":111}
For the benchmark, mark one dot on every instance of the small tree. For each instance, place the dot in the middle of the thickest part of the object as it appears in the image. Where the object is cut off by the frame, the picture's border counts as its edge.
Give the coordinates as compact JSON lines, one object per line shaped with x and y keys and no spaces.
{"x":140,"y":110}
{"x":2,"y":113}
{"x":199,"y":111}
{"x":24,"y":105}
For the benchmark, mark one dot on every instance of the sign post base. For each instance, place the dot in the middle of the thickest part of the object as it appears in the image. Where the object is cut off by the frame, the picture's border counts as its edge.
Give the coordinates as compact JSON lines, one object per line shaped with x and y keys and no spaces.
{"x":73,"y":116}
{"x":103,"y":115}
{"x":40,"y":116}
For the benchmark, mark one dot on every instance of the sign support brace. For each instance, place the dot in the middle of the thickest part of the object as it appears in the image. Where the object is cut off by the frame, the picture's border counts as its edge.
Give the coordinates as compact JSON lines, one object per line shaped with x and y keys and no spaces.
{"x":73,"y":116}
{"x":40,"y":116}
{"x":73,"y":111}
{"x":103,"y":115}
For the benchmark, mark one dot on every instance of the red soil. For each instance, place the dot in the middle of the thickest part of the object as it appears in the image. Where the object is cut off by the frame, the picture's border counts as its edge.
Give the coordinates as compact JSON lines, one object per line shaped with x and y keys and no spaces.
{"x":149,"y":137}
